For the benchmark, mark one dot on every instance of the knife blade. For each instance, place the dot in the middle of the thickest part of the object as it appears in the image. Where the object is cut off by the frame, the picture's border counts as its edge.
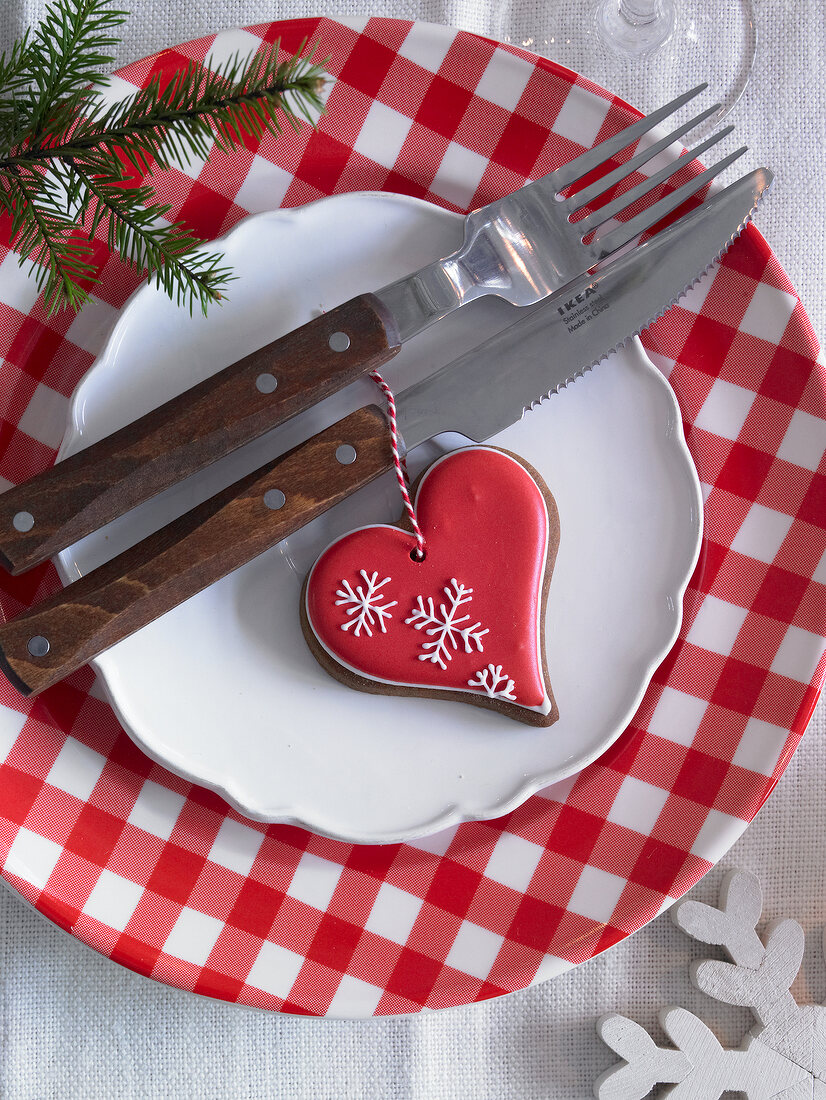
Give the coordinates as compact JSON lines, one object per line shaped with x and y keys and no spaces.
{"x":521,"y":247}
{"x":478,"y":394}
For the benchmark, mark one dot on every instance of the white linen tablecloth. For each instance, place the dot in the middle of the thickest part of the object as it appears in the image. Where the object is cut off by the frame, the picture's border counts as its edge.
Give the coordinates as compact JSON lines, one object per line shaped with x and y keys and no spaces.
{"x":75,"y":1025}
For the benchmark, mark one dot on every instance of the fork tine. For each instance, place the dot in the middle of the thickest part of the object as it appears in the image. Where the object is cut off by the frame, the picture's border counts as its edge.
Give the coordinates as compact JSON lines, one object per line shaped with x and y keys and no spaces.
{"x":605,"y":183}
{"x":622,"y":202}
{"x":627,"y":231}
{"x":580,"y":166}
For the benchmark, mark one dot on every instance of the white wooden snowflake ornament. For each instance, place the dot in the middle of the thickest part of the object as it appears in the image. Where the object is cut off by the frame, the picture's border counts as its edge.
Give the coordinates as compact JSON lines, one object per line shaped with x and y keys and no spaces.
{"x":784,"y":1054}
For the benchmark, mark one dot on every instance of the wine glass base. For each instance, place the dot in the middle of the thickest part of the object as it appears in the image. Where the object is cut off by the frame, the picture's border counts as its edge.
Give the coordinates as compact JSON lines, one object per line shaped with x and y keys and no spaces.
{"x":715,"y":43}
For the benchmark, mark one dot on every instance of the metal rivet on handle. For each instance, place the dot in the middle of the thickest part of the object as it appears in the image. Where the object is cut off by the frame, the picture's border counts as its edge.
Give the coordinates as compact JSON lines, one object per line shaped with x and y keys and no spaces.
{"x":345,"y":454}
{"x":38,"y":646}
{"x":339,"y":341}
{"x":266,"y":383}
{"x":274,"y":499}
{"x":23,"y":521}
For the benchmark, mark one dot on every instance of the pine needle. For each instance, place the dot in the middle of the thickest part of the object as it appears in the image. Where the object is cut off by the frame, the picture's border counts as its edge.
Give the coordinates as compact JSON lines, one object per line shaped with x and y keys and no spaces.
{"x":68,"y":158}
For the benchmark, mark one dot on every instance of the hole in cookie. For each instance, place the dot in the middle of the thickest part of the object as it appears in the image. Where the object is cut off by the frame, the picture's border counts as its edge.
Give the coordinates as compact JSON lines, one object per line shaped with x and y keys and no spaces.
{"x":417,"y":555}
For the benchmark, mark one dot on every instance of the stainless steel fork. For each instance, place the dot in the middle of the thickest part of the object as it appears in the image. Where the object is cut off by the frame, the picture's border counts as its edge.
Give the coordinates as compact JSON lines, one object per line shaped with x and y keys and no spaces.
{"x":529,"y":244}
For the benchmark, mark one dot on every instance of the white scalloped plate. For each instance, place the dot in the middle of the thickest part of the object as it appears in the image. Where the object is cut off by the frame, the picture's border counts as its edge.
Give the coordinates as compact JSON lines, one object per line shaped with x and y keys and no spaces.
{"x":223,"y":689}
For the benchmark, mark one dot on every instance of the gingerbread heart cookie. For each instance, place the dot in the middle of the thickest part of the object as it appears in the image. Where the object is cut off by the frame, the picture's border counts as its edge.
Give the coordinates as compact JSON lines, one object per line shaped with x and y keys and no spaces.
{"x":467,"y":621}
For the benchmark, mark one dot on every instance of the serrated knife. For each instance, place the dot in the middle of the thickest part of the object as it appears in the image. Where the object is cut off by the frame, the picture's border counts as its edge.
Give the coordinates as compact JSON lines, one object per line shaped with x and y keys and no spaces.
{"x":478,"y":394}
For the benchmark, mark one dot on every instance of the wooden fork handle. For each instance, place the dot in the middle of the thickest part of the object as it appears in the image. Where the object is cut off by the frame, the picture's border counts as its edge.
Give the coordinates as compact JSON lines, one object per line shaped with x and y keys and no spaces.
{"x":238,"y":404}
{"x":56,"y":637}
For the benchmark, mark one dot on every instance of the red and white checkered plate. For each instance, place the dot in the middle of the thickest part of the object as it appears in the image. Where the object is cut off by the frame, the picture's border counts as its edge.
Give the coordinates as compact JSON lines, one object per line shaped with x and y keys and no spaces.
{"x":162,"y":877}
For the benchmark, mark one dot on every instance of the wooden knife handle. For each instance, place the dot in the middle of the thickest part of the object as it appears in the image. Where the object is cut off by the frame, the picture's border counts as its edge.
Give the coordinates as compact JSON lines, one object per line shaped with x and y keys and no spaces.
{"x":56,"y":637}
{"x":238,"y":404}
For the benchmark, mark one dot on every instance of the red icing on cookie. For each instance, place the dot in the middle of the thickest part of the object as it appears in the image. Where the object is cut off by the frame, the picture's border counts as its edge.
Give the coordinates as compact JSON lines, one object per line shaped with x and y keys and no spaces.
{"x":468,"y":617}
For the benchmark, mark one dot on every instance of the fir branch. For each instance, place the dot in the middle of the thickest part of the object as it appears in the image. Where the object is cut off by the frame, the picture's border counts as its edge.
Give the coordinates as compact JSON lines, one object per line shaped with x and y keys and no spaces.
{"x":165,"y":123}
{"x":49,"y":238}
{"x":14,"y":82}
{"x":68,"y":158}
{"x":13,"y":69}
{"x":169,"y":251}
{"x":67,"y":55}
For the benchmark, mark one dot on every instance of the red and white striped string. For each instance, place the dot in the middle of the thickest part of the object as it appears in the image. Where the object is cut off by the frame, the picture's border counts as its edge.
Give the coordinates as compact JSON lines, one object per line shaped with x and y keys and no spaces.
{"x":399,"y":463}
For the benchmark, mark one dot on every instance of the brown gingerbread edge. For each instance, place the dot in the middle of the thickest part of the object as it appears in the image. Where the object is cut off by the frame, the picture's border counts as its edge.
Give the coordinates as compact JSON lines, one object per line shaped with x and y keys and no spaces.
{"x":510,"y":710}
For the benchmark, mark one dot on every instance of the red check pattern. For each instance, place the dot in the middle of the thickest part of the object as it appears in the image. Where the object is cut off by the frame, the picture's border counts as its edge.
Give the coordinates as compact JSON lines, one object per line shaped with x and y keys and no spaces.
{"x":162,"y":877}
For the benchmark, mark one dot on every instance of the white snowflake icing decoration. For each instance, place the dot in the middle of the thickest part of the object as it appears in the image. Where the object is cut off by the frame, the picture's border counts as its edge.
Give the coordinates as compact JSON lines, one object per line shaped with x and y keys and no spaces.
{"x":444,"y":626}
{"x":784,"y":1054}
{"x":490,"y":680}
{"x":364,"y":604}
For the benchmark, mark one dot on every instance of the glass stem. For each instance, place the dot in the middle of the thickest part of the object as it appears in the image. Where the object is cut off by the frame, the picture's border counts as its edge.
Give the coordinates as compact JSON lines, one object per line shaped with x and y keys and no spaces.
{"x":640,"y":12}
{"x":634,"y":28}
